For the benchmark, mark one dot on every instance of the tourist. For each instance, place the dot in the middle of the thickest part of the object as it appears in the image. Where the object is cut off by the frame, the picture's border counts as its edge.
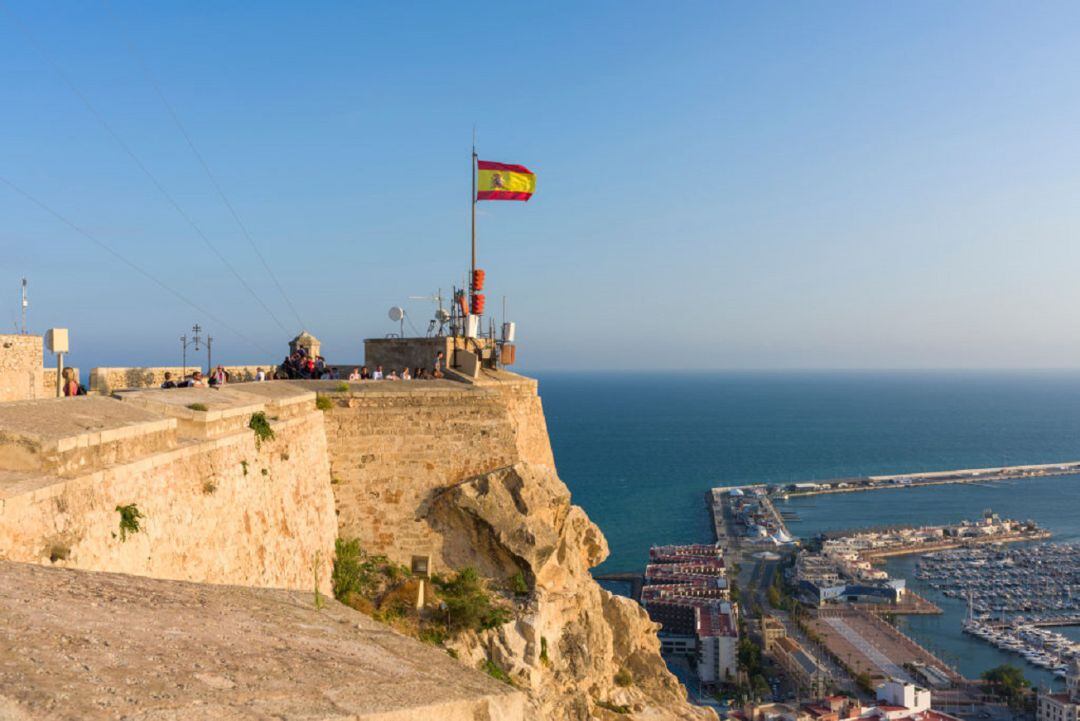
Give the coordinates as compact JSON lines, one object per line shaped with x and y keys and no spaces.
{"x":392,"y":376}
{"x":355,"y":375}
{"x":437,"y":370}
{"x":378,"y":374}
{"x":260,"y":375}
{"x":406,"y":375}
{"x":71,"y":386}
{"x":169,"y":382}
{"x":365,"y":374}
{"x":418,"y":373}
{"x":219,"y":377}
{"x":197,"y":380}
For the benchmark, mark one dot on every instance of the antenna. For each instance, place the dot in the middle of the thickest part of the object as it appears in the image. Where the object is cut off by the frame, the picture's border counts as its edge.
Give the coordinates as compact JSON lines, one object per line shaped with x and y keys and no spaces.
{"x":442,"y":316}
{"x":397,"y":314}
{"x":25,"y":305}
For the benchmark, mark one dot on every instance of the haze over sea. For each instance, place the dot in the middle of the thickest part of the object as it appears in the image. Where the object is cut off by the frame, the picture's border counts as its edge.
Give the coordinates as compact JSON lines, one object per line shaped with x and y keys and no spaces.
{"x":640,"y":450}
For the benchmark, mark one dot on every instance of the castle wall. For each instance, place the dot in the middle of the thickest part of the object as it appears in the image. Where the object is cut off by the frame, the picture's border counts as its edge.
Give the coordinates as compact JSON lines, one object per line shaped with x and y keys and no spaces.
{"x":21,"y":374}
{"x":205,"y":518}
{"x":107,"y":380}
{"x":398,"y":353}
{"x":394,"y":446}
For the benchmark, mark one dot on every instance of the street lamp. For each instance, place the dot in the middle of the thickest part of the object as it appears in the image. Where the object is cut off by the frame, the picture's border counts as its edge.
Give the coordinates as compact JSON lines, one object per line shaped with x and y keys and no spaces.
{"x":194,"y":340}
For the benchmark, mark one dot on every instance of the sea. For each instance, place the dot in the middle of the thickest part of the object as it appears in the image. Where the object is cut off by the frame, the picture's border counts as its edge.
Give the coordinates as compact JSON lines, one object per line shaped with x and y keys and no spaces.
{"x":639,"y":451}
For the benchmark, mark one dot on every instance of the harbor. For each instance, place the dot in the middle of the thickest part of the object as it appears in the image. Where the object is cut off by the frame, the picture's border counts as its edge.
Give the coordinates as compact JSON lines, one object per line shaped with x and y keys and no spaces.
{"x":1051,"y":501}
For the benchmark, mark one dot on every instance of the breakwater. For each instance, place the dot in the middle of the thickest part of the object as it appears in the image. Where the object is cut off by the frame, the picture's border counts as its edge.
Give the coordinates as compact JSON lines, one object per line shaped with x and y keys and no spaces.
{"x":930,"y":478}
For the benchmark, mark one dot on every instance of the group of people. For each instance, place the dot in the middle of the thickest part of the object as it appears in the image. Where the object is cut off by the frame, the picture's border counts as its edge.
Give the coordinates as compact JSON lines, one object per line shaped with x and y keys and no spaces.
{"x":407,"y":374}
{"x":218,"y":377}
{"x":302,"y":365}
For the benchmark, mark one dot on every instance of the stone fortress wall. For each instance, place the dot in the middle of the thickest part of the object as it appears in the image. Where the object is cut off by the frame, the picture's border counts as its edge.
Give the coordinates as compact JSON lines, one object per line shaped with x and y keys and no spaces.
{"x":217,"y":504}
{"x":21,"y":374}
{"x":394,"y":446}
{"x":107,"y":380}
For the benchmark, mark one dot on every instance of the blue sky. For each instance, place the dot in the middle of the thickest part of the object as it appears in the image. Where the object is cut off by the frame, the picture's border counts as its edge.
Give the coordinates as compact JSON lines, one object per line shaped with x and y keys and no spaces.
{"x":720,"y":185}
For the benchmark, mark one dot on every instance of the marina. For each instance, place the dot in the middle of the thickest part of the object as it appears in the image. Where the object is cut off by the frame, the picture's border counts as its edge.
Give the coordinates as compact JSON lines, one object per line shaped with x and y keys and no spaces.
{"x":1040,"y":581}
{"x":1038,"y":646}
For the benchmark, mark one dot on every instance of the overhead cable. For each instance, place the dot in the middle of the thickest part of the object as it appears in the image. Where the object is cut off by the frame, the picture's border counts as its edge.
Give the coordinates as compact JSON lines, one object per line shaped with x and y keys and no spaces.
{"x":131,"y":264}
{"x":142,"y":166}
{"x":133,"y":49}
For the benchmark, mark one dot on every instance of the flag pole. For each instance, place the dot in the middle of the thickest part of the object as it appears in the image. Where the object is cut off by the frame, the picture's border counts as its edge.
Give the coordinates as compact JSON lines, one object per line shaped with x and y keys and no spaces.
{"x":472,"y":274}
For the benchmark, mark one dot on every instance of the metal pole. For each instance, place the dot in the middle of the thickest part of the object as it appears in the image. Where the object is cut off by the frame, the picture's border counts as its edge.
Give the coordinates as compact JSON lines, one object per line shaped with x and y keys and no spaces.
{"x":472,"y":275}
{"x":183,"y":344}
{"x":209,"y":361}
{"x":59,"y":375}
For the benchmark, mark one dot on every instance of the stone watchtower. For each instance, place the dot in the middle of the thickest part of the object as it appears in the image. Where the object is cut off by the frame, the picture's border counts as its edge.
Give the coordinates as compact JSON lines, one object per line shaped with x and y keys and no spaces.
{"x":306,"y":341}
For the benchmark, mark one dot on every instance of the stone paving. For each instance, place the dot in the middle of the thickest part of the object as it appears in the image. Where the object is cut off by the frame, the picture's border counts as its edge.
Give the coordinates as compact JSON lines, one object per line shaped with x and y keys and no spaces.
{"x":90,"y":646}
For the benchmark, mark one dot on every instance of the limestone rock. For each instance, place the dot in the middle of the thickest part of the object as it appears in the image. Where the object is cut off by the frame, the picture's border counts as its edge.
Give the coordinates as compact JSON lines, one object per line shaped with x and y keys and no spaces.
{"x":571,"y":637}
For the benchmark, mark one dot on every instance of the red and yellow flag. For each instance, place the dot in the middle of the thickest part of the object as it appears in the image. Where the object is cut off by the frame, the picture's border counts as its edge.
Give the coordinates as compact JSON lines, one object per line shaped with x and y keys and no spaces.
{"x":500,"y":181}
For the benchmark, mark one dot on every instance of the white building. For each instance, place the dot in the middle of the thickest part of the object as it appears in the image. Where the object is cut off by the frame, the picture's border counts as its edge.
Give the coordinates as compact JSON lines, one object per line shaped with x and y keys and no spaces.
{"x":896,"y":693}
{"x":717,"y":644}
{"x":1062,"y":706}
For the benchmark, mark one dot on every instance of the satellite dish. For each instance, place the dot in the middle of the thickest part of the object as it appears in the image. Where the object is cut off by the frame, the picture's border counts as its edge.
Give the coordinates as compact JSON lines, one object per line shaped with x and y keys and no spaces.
{"x":397,"y":313}
{"x":442,"y":315}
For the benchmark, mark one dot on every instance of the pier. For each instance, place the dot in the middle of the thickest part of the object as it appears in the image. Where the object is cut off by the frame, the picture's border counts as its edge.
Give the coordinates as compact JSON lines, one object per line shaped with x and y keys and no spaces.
{"x":635,"y":580}
{"x":930,"y":478}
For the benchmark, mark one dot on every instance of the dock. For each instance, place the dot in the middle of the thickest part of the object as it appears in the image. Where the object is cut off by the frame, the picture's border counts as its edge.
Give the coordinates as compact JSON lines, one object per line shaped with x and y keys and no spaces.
{"x":930,"y":478}
{"x":635,"y":580}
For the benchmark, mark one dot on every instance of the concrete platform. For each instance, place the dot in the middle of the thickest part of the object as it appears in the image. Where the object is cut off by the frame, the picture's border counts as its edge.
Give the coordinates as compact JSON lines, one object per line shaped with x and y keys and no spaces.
{"x":73,"y":435}
{"x":90,"y":646}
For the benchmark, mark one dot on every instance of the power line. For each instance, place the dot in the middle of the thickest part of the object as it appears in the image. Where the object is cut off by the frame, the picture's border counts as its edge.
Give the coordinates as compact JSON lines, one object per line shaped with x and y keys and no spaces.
{"x":131,"y":264}
{"x":142,"y":166}
{"x":133,"y":49}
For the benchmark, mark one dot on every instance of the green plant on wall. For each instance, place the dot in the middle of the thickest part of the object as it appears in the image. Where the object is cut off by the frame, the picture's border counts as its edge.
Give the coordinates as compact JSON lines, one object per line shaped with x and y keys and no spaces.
{"x":323,"y":403}
{"x":495,"y":671}
{"x":129,"y":520}
{"x":261,"y":426}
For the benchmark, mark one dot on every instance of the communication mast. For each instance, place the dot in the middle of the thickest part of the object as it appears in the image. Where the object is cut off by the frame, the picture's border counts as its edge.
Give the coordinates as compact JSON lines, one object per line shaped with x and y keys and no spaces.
{"x":25,"y":305}
{"x":442,"y":316}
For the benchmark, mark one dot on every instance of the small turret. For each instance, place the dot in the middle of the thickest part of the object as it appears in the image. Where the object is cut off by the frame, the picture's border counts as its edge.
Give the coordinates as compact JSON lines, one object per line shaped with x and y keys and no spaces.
{"x":306,"y":341}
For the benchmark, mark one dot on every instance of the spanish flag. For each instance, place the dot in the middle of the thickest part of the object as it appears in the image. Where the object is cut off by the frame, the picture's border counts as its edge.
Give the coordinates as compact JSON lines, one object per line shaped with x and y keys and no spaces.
{"x":499,"y":181}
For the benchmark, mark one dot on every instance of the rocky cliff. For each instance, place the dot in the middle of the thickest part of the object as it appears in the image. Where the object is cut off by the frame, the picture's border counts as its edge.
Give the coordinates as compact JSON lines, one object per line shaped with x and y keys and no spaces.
{"x":580,"y":651}
{"x":465,"y":474}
